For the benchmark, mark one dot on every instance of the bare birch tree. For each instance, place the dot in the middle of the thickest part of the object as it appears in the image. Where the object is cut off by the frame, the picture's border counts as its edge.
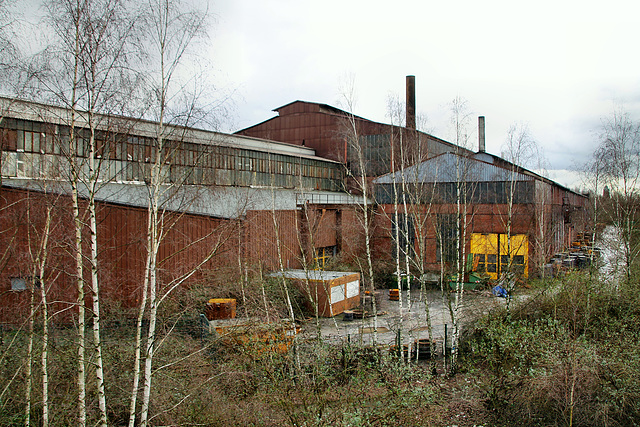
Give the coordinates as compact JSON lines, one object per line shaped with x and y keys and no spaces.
{"x":107,"y":42}
{"x":619,"y":153}
{"x":95,"y":36}
{"x":307,"y":228}
{"x":279,"y":247}
{"x":306,"y":244}
{"x":32,"y":315}
{"x":464,"y":192}
{"x":39,"y":258}
{"x":518,"y":149}
{"x":420,"y":197}
{"x":357,"y":171}
{"x":170,"y":31}
{"x":400,"y":223}
{"x":66,"y":19}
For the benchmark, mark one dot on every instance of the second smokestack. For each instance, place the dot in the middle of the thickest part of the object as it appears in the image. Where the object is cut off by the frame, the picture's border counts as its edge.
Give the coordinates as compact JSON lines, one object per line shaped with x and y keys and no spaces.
{"x":481,"y":134}
{"x":411,"y":102}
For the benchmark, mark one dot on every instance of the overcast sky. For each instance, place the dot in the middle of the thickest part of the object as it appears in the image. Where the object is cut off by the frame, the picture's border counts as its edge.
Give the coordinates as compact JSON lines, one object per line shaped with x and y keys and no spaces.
{"x":558,"y":66}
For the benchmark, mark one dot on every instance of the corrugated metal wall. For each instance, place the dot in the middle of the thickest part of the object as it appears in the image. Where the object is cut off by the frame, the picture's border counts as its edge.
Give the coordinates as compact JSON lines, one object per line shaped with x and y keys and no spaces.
{"x":262,"y":235}
{"x":551,"y":209}
{"x":122,"y":250}
{"x":22,"y":216}
{"x":324,"y":129}
{"x":122,"y":246}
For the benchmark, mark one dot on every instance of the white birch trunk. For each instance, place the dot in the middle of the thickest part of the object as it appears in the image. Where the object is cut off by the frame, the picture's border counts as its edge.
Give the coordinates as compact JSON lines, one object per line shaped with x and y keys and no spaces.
{"x":264,"y":295}
{"x":78,"y":225}
{"x":150,"y":347}
{"x":463,"y":179}
{"x":241,"y":270}
{"x":170,"y":31}
{"x":95,"y":285}
{"x":276,"y":229}
{"x":153,"y":244}
{"x":366,"y":225}
{"x":139,"y":321}
{"x":32,"y":314}
{"x":396,"y":238}
{"x":82,"y":407}
{"x":303,"y":253}
{"x":305,"y":263}
{"x":45,"y":321}
{"x":285,"y":286}
{"x":407,"y":255}
{"x":28,"y":369}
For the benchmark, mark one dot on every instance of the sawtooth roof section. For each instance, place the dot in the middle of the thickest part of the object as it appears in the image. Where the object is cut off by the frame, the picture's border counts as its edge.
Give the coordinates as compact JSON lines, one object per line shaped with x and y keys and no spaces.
{"x":453,"y":167}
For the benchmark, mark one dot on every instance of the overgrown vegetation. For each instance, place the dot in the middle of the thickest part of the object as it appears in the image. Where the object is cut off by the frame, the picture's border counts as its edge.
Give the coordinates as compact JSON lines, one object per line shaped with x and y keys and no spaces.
{"x":565,"y":355}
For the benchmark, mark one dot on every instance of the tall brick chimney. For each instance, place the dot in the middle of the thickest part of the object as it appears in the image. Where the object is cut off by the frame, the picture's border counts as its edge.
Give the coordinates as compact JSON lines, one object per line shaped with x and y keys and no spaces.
{"x":411,"y":102}
{"x":481,"y":140}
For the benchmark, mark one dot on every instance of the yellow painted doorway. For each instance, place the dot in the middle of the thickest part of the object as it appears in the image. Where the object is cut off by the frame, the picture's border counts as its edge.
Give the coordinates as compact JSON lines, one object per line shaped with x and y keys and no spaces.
{"x":491,"y":253}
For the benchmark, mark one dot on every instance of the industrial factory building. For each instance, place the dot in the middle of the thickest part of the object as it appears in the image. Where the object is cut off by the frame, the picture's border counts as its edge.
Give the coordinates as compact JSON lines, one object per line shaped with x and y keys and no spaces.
{"x":229,"y":195}
{"x":277,"y":194}
{"x":328,"y":131}
{"x":513,"y":216}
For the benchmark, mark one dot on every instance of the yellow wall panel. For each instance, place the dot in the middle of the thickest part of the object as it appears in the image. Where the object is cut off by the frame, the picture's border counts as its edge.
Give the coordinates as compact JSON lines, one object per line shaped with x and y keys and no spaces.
{"x":487,"y":256}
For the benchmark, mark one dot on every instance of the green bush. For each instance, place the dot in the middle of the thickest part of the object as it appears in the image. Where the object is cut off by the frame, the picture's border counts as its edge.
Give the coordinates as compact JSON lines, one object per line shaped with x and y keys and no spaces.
{"x":567,"y":356}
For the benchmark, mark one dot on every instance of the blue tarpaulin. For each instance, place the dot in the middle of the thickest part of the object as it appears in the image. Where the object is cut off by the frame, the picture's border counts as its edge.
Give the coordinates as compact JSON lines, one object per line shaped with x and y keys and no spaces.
{"x":499,"y":291}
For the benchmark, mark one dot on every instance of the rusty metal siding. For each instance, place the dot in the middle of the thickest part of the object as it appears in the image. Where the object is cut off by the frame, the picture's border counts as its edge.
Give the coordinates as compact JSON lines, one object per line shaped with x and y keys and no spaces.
{"x":22,"y":216}
{"x":188,"y":241}
{"x":122,"y":251}
{"x":491,"y":218}
{"x":350,"y":236}
{"x":317,"y":130}
{"x":324,"y":229}
{"x":323,"y":128}
{"x":261,"y":239}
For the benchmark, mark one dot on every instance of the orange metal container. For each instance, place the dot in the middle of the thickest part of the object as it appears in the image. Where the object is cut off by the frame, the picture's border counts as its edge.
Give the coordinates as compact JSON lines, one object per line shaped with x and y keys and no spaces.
{"x":221,"y":308}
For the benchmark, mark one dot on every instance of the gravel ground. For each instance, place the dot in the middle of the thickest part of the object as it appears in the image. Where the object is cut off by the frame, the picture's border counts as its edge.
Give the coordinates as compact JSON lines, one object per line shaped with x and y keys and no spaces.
{"x":412,"y":322}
